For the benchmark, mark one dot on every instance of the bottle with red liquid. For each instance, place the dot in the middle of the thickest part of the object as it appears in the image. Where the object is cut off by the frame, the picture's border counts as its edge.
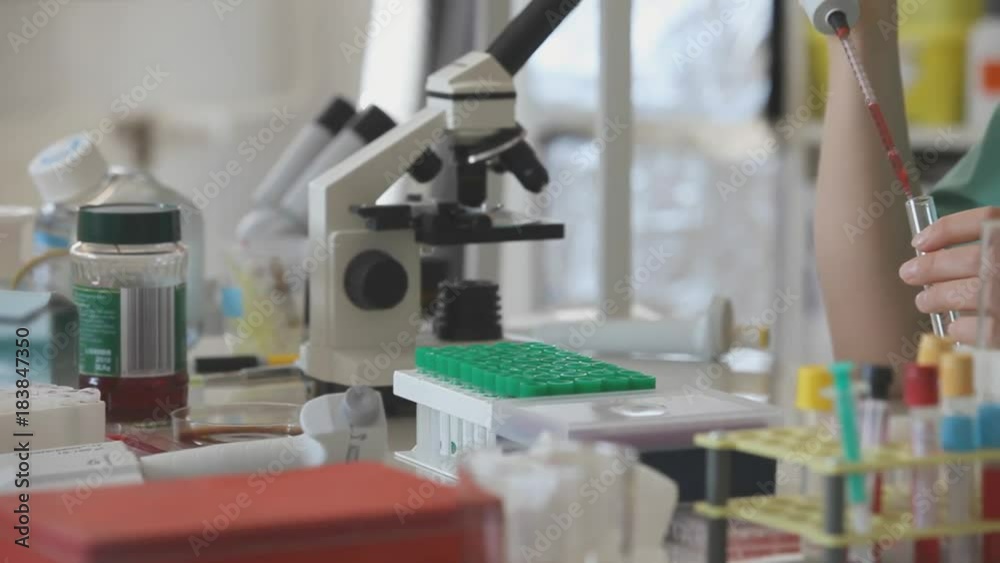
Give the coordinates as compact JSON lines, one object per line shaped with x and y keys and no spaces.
{"x":129,"y":268}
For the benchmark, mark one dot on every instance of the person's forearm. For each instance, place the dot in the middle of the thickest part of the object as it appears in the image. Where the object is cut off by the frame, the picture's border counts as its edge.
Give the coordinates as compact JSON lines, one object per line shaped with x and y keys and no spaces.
{"x":861,"y":231}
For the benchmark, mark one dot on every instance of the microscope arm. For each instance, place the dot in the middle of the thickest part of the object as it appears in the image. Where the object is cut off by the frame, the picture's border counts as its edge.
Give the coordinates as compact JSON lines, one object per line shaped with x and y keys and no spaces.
{"x":367,"y":174}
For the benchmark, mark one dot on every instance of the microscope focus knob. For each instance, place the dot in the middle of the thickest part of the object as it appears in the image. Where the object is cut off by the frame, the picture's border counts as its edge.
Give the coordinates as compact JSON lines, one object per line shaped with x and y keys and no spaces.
{"x":375,"y":280}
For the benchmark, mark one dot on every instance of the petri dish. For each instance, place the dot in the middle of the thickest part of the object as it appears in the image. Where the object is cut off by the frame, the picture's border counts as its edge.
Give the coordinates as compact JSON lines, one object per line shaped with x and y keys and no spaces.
{"x":207,"y":425}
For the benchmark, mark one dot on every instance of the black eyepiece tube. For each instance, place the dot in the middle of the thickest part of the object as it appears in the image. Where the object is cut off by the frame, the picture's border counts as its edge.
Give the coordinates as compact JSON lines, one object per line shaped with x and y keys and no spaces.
{"x":526,"y":32}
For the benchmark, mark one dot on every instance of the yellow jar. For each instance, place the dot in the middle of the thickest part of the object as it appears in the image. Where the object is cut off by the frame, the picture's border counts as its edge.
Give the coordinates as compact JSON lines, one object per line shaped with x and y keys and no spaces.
{"x":937,"y":12}
{"x":932,"y":59}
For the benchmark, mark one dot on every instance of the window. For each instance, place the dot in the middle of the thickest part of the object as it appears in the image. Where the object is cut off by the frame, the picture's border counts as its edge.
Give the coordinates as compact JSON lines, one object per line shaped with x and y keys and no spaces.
{"x":704,"y":206}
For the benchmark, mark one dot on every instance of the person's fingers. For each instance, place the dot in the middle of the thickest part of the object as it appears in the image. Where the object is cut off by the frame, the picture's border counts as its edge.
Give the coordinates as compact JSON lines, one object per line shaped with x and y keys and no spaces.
{"x":956,"y":295}
{"x":963,"y":330}
{"x":958,"y":228}
{"x":941,"y":266}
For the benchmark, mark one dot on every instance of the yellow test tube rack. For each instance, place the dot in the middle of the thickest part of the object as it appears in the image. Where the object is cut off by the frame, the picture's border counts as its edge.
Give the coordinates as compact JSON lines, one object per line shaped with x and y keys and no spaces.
{"x":821,"y":521}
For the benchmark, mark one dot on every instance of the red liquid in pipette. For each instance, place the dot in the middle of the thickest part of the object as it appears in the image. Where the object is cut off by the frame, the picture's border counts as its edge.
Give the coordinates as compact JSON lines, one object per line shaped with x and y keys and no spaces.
{"x":875,"y":109}
{"x":925,"y":550}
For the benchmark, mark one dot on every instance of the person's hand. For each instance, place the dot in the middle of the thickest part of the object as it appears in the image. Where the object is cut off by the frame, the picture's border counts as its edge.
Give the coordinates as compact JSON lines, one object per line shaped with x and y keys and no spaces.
{"x":952,"y":273}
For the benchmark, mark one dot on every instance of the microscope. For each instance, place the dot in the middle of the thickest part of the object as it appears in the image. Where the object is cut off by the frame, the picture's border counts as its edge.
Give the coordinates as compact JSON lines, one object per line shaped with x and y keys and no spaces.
{"x":364,"y":305}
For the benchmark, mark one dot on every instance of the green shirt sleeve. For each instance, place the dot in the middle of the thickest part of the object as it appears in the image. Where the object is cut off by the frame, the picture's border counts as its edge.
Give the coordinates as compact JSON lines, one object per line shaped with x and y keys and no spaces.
{"x":975,"y":180}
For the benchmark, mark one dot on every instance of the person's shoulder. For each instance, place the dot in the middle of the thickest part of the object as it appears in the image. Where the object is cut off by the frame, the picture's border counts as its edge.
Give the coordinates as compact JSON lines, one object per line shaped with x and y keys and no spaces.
{"x":975,"y":180}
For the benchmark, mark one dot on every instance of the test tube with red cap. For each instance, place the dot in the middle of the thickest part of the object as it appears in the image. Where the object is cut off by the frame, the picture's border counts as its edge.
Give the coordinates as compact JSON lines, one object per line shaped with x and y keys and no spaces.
{"x":920,"y":390}
{"x":958,"y":410}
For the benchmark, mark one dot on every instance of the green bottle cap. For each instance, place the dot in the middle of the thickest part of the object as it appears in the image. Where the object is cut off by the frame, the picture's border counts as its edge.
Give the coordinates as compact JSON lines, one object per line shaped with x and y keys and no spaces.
{"x":587,"y":385}
{"x":641,"y":382}
{"x":500,"y":383}
{"x":615,"y":383}
{"x":129,"y":223}
{"x":514,"y":384}
{"x":561,"y":387}
{"x":489,"y":381}
{"x":532,"y":388}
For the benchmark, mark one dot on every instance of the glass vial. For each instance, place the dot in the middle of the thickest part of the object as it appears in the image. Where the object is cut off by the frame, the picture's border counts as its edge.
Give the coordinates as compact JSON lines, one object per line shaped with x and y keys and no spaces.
{"x":922,"y":213}
{"x":129,"y":270}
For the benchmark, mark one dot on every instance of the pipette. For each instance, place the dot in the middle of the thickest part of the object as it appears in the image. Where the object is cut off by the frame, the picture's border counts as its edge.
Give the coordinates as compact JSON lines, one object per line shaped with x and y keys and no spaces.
{"x":859,"y":507}
{"x":921,"y":395}
{"x":958,"y":409}
{"x":920,"y":210}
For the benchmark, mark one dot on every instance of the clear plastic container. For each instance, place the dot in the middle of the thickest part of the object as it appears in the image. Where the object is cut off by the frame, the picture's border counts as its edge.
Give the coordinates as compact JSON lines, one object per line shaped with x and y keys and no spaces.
{"x":564,"y":501}
{"x":72,"y":173}
{"x":263,"y":303}
{"x":659,"y":419}
{"x":235,"y":422}
{"x":129,"y":272}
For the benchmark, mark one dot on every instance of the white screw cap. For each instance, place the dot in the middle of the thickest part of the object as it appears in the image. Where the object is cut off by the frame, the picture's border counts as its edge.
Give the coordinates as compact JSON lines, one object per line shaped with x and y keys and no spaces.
{"x":819,"y":10}
{"x":67,"y":168}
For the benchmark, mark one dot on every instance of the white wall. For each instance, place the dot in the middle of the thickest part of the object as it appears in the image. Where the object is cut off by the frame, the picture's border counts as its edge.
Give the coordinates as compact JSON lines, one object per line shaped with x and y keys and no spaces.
{"x":227,"y":66}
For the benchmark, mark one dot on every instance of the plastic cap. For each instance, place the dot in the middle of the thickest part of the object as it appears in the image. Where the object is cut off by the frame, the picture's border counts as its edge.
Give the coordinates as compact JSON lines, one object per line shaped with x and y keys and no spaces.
{"x":932,"y":348}
{"x":920,"y":385}
{"x":67,"y":168}
{"x":336,"y":115}
{"x":371,"y":123}
{"x":879,"y":379}
{"x":223,"y":364}
{"x":810,"y":393}
{"x":955,"y":372}
{"x":361,"y":405}
{"x":129,"y":223}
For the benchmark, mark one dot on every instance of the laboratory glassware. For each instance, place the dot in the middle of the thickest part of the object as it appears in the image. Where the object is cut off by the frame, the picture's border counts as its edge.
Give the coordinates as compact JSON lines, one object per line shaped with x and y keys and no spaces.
{"x":129,"y":272}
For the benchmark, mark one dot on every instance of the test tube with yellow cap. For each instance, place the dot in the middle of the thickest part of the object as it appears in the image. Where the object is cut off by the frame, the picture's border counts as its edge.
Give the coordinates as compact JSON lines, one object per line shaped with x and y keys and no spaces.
{"x":813,"y":399}
{"x":958,"y":411}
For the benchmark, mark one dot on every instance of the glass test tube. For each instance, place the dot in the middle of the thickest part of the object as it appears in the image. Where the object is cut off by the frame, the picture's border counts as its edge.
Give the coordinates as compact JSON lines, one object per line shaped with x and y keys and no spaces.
{"x":922,"y":213}
{"x":987,"y":375}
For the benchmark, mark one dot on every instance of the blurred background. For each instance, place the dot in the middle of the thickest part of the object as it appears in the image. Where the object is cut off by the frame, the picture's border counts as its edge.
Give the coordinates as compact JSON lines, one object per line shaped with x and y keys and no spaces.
{"x":726,"y":93}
